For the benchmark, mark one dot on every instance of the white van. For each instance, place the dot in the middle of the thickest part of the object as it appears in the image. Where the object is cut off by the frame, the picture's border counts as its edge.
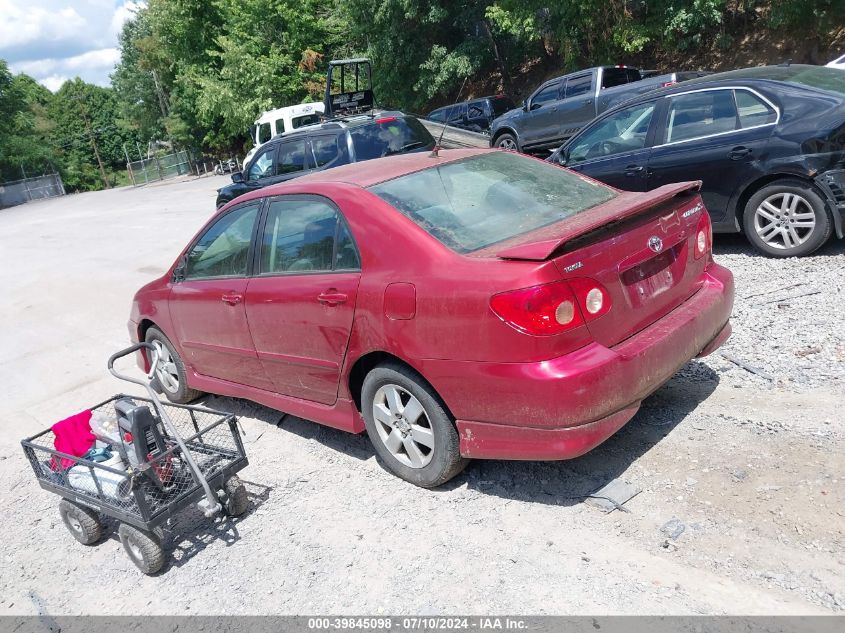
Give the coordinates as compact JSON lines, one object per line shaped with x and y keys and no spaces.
{"x":282,"y":120}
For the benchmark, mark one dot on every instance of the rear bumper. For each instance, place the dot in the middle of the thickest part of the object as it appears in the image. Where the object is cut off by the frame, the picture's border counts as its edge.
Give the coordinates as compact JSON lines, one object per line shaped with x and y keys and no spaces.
{"x":563,"y":407}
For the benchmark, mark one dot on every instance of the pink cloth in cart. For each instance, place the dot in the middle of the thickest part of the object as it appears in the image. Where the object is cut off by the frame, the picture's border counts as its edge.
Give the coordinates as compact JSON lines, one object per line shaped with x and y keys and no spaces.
{"x":72,"y":436}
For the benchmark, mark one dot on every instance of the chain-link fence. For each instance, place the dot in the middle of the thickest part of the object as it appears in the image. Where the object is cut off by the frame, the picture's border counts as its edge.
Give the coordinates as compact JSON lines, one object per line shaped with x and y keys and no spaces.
{"x":20,"y":191}
{"x":159,"y":168}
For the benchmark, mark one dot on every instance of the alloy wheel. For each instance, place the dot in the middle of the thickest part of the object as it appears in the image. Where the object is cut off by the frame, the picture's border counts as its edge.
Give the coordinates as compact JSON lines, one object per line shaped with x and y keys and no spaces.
{"x":506,"y":143}
{"x":403,"y":426}
{"x":166,"y":371}
{"x":784,"y":220}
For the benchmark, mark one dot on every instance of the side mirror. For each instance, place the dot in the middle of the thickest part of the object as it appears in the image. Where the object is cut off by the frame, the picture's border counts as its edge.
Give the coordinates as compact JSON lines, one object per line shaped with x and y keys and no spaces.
{"x":563,"y":156}
{"x":238,"y":177}
{"x":524,"y":106}
{"x":179,"y":271}
{"x":535,"y":106}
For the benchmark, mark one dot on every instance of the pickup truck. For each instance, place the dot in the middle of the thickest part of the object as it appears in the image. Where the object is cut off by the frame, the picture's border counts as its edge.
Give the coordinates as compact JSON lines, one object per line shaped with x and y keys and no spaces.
{"x":563,"y":105}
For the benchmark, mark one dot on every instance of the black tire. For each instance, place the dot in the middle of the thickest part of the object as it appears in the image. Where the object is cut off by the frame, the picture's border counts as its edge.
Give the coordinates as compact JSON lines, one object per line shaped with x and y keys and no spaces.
{"x":182,"y":394}
{"x":235,"y":500}
{"x":144,"y":548}
{"x":83,"y":523}
{"x":813,"y":238}
{"x":445,"y":459}
{"x":506,"y":141}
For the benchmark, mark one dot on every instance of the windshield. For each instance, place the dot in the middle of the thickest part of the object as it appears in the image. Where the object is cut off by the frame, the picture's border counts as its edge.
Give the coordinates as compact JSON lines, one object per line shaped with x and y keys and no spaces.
{"x":388,"y":136}
{"x":478,"y":201}
{"x":307,"y":119}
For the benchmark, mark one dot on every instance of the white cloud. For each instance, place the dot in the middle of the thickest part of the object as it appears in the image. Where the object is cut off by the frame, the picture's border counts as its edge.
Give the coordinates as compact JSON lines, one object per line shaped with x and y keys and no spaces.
{"x":55,"y":40}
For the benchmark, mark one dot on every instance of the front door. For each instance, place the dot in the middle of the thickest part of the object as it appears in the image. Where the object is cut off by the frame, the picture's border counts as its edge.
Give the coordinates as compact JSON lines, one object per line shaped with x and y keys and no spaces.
{"x":207,"y":306}
{"x":578,"y":106}
{"x":540,"y":123}
{"x":615,"y":149}
{"x":705,"y":136}
{"x":300,"y":304}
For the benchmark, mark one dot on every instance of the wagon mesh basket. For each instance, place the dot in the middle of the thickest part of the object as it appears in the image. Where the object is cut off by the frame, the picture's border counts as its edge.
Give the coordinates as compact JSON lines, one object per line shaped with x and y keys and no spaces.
{"x":211,"y":437}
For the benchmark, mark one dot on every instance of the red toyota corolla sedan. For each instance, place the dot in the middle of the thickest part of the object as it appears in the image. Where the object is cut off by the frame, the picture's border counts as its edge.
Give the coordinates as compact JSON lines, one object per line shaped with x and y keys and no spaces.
{"x":475,"y":304}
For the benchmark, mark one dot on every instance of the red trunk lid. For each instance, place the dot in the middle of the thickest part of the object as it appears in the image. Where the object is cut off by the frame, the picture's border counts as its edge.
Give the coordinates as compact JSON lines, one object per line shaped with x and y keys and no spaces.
{"x":640,"y":247}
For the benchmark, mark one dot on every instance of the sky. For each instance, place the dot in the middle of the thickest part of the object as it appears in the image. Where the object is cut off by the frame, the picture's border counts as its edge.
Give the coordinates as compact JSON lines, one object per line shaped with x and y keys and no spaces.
{"x":56,"y":40}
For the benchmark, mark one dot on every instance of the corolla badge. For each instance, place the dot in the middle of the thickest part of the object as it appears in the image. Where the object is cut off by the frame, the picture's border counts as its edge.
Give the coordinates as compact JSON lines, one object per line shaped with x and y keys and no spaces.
{"x":655,"y":243}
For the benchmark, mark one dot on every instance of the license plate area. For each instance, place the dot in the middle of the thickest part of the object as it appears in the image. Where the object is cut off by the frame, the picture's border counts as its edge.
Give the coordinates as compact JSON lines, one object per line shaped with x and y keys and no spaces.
{"x":653,"y":277}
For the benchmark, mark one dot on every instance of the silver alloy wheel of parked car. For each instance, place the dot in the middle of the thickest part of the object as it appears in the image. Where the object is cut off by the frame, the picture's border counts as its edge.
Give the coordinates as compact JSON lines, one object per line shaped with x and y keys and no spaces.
{"x":506,"y":142}
{"x":784,"y":220}
{"x":166,"y":371}
{"x":403,"y":426}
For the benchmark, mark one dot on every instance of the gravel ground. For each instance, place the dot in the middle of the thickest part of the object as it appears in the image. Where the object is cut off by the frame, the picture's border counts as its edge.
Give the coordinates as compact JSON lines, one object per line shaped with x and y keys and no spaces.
{"x":740,"y":509}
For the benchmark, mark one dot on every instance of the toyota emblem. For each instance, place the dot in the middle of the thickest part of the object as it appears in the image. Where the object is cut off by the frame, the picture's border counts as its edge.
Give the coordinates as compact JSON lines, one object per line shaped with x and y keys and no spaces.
{"x":655,"y":243}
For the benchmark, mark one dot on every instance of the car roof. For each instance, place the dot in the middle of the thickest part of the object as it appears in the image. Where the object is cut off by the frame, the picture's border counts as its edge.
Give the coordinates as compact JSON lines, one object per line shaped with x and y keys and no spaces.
{"x":371,"y":172}
{"x":345,"y":123}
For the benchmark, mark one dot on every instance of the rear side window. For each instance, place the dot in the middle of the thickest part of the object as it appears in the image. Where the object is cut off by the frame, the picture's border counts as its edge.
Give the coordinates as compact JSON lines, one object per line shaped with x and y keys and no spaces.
{"x":291,"y":157}
{"x":753,"y":110}
{"x":578,"y":85}
{"x":472,"y":203}
{"x":618,"y":76}
{"x":306,"y":119}
{"x":389,"y":136}
{"x":300,"y":236}
{"x":223,"y":250}
{"x":700,"y":114}
{"x":328,"y":150}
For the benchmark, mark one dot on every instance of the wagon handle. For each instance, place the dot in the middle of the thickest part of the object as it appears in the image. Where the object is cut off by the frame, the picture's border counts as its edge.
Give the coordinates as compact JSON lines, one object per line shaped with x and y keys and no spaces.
{"x":210,"y":505}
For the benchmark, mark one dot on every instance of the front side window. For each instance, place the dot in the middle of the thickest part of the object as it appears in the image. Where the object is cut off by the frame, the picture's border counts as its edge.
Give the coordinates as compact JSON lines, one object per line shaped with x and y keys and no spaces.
{"x":623,"y":131}
{"x":262,"y":165}
{"x":291,"y":158}
{"x":699,"y":114}
{"x":549,"y":93}
{"x":223,"y":250}
{"x":264,"y":133}
{"x":300,"y":236}
{"x":753,"y":110}
{"x":475,"y":202}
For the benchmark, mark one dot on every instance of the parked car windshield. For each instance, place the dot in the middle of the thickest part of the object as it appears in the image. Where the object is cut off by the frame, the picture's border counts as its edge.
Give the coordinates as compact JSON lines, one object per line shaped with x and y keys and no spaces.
{"x":478,"y":201}
{"x":390,"y":135}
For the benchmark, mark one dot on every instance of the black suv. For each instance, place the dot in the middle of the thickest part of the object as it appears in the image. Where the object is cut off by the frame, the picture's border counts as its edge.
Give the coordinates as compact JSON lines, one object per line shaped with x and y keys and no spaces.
{"x":325,"y":145}
{"x":475,"y":115}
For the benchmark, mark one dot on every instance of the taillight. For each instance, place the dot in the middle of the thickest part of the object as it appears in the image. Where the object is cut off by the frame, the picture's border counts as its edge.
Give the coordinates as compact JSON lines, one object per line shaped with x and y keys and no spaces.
{"x":593,"y":298}
{"x":539,"y":310}
{"x":552,"y":308}
{"x":703,"y":235}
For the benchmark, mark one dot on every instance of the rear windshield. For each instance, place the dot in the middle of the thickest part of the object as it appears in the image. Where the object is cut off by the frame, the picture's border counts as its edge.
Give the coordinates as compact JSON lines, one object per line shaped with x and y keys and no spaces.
{"x":618,"y":76}
{"x":478,"y":201}
{"x":389,"y":136}
{"x":501,"y":105}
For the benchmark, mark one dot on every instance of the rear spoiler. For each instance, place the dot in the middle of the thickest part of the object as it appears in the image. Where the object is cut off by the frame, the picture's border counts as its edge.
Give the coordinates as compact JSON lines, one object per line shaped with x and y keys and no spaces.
{"x":539,"y":245}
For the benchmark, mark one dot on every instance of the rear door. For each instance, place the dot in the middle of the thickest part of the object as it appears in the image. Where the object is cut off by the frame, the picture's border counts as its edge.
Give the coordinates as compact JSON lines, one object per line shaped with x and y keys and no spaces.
{"x":207,"y":306}
{"x":328,"y":150}
{"x":301,"y":302}
{"x":578,"y":106}
{"x":705,"y":136}
{"x":616,"y":149}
